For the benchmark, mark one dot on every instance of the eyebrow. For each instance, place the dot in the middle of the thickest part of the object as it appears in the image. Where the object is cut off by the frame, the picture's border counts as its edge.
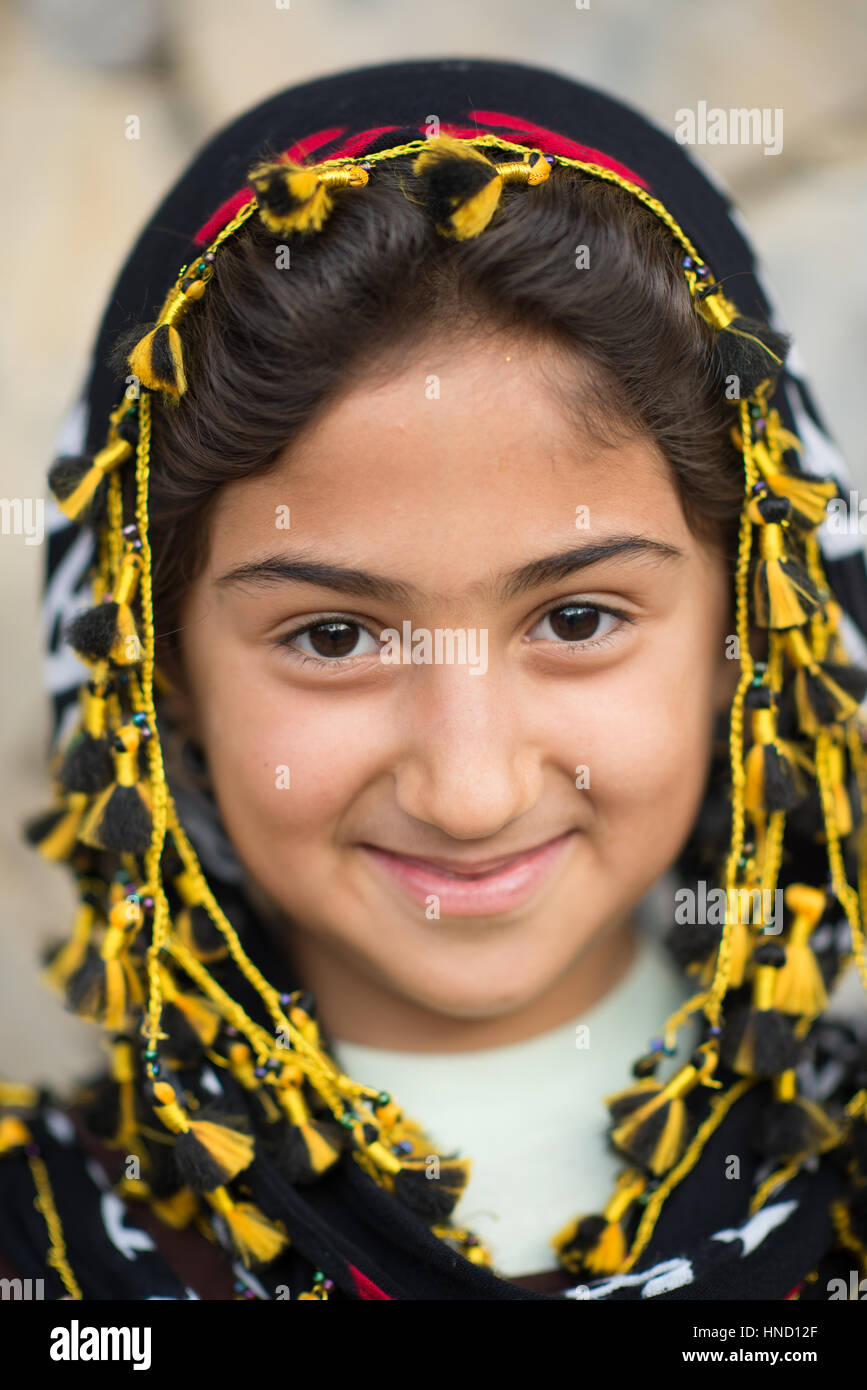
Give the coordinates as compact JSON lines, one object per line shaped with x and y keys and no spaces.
{"x":279,"y":569}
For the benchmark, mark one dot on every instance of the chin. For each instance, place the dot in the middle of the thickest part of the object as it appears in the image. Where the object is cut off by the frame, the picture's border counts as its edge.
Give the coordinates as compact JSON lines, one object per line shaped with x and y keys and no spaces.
{"x":464,"y":999}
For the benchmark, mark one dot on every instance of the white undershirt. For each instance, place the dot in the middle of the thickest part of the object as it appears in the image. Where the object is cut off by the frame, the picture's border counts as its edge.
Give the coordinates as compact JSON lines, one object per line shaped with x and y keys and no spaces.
{"x":530,"y":1115}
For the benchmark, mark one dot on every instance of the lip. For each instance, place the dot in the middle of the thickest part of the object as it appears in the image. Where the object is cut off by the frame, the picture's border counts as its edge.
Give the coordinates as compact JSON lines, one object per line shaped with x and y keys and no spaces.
{"x":498,"y":885}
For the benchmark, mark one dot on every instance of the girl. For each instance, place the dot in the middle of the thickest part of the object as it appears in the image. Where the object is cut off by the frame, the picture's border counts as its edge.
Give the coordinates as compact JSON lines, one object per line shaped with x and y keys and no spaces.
{"x":448,"y":587}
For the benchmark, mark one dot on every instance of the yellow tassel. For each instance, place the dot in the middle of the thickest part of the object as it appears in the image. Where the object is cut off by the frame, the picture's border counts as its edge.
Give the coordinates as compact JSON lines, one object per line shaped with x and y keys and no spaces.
{"x":464,"y":186}
{"x":599,"y":1244}
{"x":230,"y":1149}
{"x":322,"y":1144}
{"x":809,"y":499}
{"x":257,"y":1239}
{"x":71,"y":956}
{"x":120,"y":817}
{"x":772,"y":780}
{"x":657,"y":1148}
{"x":785,"y":596}
{"x":816,"y":692}
{"x":200,"y":1014}
{"x":56,"y":834}
{"x":74,"y":483}
{"x":157,"y":359}
{"x":837,"y":777}
{"x":799,"y":987}
{"x":298,"y":197}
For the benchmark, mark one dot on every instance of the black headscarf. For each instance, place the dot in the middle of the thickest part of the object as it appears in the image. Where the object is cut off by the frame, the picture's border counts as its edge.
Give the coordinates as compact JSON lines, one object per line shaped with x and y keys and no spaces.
{"x":349,"y":1235}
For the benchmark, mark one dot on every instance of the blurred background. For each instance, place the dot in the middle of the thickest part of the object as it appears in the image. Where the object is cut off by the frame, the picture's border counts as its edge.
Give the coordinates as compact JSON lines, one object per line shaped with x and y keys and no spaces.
{"x":78,"y":192}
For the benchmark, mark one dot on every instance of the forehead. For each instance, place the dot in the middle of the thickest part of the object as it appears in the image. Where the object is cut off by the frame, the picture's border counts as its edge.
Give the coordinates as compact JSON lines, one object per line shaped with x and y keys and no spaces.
{"x":466,"y":454}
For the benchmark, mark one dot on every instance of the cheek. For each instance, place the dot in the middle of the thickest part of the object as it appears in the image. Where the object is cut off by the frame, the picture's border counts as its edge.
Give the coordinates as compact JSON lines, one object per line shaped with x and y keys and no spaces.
{"x":281,"y":762}
{"x":651,"y":748}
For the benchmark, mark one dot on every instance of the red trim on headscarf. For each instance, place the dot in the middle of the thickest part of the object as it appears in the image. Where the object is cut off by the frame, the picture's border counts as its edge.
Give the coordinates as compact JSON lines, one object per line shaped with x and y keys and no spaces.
{"x":552,"y":143}
{"x":300,"y":150}
{"x":357,"y":144}
{"x":226,"y":211}
{"x":366,"y":1287}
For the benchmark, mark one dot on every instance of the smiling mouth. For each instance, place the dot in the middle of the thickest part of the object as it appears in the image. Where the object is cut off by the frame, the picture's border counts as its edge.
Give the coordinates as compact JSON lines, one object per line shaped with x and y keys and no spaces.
{"x":487,"y":869}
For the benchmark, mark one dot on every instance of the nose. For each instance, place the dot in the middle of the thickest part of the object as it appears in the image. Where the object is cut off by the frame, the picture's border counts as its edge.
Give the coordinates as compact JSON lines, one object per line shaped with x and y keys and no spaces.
{"x":469,"y":764}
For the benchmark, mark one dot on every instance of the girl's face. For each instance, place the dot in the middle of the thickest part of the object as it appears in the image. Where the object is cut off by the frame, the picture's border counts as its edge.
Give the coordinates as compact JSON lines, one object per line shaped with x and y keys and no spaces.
{"x":559,"y":660}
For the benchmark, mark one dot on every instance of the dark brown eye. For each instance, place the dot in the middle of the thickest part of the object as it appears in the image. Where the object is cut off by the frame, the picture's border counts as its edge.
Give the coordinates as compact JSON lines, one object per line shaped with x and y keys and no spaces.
{"x":575,"y":623}
{"x":333,"y":639}
{"x":580,"y":622}
{"x":329,"y":640}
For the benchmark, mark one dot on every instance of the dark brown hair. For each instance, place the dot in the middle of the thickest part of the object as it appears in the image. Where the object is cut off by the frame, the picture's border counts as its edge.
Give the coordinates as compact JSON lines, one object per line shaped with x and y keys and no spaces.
{"x":268,"y":348}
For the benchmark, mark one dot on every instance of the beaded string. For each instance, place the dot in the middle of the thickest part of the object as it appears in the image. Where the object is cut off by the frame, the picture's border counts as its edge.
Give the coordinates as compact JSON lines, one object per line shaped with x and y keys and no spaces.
{"x":736,"y":727}
{"x":151,"y":1027}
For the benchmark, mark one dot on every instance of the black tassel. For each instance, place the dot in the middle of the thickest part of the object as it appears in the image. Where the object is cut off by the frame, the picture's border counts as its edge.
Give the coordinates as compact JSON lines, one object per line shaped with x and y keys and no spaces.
{"x":750,"y":350}
{"x":87,"y":763}
{"x":120,"y":818}
{"x":759,"y":1040}
{"x":108,"y":631}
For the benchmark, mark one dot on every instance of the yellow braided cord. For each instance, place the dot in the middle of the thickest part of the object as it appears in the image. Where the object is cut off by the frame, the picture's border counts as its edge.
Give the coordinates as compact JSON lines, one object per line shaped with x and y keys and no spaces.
{"x":676,"y":1020}
{"x":736,"y":726}
{"x":159,"y":790}
{"x":720,"y":1106}
{"x":846,"y":895}
{"x":322,"y":1071}
{"x":770,"y":1185}
{"x":46,"y":1205}
{"x":115,"y":524}
{"x":773,"y":851}
{"x":497,"y":141}
{"x":230,"y":228}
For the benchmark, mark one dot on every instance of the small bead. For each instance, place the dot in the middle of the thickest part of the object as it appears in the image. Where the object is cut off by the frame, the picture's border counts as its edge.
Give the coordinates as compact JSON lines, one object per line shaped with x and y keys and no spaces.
{"x":328,"y":1285}
{"x":656,"y":1044}
{"x":688,"y":263}
{"x":383,"y":1098}
{"x":147,"y":904}
{"x":260,"y":1071}
{"x":209,"y":257}
{"x":318,"y":1276}
{"x":348,"y":1121}
{"x":715,"y":1030}
{"x":285,"y":998}
{"x":760,"y":426}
